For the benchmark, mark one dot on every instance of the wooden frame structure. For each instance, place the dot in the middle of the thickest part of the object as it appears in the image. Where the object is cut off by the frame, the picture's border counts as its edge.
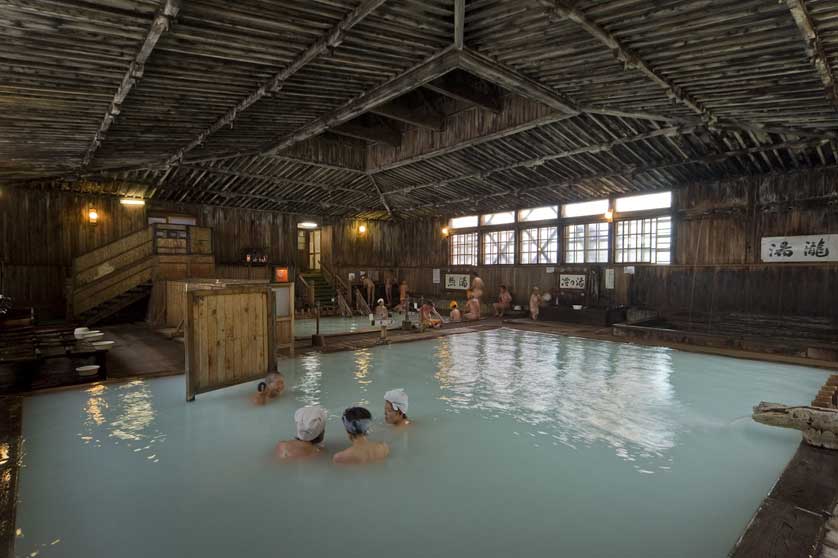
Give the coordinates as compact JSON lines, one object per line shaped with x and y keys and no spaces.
{"x":229,"y":337}
{"x":450,"y":107}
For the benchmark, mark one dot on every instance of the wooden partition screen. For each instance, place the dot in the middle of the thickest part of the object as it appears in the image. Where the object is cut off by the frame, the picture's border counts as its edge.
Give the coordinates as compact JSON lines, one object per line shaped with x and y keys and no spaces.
{"x":229,"y":337}
{"x":284,"y":316}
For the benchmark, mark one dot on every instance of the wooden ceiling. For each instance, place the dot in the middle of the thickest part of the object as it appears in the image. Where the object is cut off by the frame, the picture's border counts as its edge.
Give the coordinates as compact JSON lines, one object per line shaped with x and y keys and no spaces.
{"x":385,"y":108}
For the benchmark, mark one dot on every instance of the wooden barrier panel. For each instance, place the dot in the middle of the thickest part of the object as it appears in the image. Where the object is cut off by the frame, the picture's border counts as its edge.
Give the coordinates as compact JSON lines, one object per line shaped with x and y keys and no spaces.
{"x":229,"y":337}
{"x":283,"y":300}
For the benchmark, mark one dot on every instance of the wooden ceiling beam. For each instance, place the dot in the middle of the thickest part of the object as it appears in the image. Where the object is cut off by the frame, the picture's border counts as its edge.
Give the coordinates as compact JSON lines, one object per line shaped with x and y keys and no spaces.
{"x":325,"y":44}
{"x":421,"y":117}
{"x":456,"y":85}
{"x":486,"y":68}
{"x":274,"y":179}
{"x":380,"y":195}
{"x":629,"y":58}
{"x":418,"y":75}
{"x":538,"y":161}
{"x":814,"y":47}
{"x":378,"y":134}
{"x":162,"y":22}
{"x":630,"y":171}
{"x":459,"y":24}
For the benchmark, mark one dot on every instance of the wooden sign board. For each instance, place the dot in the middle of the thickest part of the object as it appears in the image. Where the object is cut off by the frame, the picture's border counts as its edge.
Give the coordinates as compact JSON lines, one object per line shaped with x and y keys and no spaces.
{"x":567,"y":281}
{"x":811,"y":248}
{"x":457,"y":281}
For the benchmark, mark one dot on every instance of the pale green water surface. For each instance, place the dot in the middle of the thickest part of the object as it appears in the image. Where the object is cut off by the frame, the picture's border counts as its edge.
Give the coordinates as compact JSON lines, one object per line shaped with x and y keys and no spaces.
{"x":523,"y":444}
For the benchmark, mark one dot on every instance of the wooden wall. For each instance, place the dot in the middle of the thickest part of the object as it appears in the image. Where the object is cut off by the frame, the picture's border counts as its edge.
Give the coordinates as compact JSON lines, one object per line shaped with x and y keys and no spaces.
{"x":717,"y":229}
{"x":41,"y":233}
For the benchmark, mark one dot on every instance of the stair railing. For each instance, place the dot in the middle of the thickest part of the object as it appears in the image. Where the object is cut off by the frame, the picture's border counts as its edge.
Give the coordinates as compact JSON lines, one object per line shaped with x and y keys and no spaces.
{"x":342,"y":290}
{"x":361,"y":304}
{"x":306,"y":288}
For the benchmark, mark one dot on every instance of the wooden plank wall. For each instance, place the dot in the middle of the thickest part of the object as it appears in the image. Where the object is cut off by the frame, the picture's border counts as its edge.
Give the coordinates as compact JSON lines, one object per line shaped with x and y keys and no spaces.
{"x":41,"y":233}
{"x":718,"y":227}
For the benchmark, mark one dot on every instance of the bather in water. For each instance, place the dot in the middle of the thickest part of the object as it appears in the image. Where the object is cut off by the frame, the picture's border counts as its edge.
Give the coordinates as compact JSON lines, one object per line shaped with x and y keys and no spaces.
{"x":357,"y":420}
{"x":395,"y":407}
{"x":270,"y":388}
{"x":311,"y":428}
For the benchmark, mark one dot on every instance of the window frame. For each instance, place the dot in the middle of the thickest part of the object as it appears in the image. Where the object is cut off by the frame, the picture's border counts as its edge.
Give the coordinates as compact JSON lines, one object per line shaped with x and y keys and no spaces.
{"x":585,"y":241}
{"x":514,"y":246}
{"x":538,"y":241}
{"x":451,"y":243}
{"x":653,"y":250}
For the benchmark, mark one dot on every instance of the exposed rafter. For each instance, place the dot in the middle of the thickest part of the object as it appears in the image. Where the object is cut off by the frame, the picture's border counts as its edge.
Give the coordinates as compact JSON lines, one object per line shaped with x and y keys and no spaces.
{"x":380,"y":195}
{"x":629,"y":58}
{"x":459,"y":23}
{"x":380,"y":133}
{"x":814,"y":47}
{"x":421,"y":117}
{"x":330,"y":41}
{"x":456,"y":85}
{"x":509,"y":79}
{"x":632,"y":171}
{"x":162,"y":21}
{"x":273,"y":179}
{"x":538,"y":161}
{"x":417,"y":76}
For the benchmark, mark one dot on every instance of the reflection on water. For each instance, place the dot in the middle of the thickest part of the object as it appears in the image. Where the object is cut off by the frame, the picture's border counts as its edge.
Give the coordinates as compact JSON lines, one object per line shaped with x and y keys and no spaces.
{"x":307,"y":389}
{"x":363,"y":358}
{"x":583,"y":392}
{"x":124,"y":413}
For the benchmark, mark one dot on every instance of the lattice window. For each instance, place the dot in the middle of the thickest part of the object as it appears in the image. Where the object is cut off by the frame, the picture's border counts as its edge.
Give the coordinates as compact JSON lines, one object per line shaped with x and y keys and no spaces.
{"x":644,"y":241}
{"x":499,"y":248}
{"x":463,"y":249}
{"x":540,"y":245}
{"x":586,"y":243}
{"x":538,"y":213}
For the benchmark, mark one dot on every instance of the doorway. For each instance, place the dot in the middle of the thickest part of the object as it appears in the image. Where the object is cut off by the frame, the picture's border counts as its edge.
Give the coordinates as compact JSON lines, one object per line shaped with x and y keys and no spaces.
{"x":314,"y":250}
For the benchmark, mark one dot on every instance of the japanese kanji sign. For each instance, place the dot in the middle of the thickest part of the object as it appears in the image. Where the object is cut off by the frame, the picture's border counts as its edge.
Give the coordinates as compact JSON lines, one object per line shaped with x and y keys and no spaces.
{"x":813,"y":248}
{"x":457,"y":281}
{"x":571,"y":281}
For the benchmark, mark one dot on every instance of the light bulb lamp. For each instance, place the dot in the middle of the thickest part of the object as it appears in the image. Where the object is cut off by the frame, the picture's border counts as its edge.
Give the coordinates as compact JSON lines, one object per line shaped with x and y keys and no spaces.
{"x":92,"y":215}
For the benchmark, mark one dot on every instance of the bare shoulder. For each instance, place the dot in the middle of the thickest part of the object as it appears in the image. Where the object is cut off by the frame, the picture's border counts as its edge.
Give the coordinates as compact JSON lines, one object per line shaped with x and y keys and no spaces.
{"x":345,"y":456}
{"x":382,"y":450}
{"x":293,"y":449}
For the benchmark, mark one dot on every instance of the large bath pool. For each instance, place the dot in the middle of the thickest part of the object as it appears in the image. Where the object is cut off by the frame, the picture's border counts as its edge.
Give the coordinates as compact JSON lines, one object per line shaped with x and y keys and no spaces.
{"x":523,"y":444}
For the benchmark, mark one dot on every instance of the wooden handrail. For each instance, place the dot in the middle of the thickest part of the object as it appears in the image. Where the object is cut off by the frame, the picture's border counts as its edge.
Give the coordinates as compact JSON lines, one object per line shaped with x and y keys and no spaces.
{"x":340,"y":286}
{"x":309,"y":289}
{"x":361,"y":304}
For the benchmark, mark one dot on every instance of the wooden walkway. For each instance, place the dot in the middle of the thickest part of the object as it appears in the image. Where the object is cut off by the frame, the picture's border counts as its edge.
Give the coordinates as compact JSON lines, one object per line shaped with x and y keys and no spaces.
{"x":790,"y":523}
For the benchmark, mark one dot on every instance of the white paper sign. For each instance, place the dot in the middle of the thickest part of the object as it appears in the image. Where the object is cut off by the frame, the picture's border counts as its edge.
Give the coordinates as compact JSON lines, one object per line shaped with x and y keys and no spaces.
{"x":571,"y":281}
{"x":436,"y":277}
{"x":551,"y":270}
{"x":457,"y":281}
{"x":812,"y":248}
{"x":609,"y":278}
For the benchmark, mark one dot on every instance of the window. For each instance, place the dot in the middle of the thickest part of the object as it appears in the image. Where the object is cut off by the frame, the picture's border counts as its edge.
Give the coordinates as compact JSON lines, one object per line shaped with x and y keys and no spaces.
{"x":464,"y":249}
{"x":644,"y":241}
{"x":301,"y":240}
{"x":540,"y":245}
{"x":648,"y":201}
{"x":586,"y":243}
{"x":598,"y":207}
{"x":539,"y":213}
{"x":498,"y":218}
{"x":463,"y":222}
{"x":499,"y":248}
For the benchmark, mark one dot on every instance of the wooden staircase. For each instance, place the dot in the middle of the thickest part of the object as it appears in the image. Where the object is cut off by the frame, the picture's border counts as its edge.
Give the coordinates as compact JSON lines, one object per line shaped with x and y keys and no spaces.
{"x":121,"y":273}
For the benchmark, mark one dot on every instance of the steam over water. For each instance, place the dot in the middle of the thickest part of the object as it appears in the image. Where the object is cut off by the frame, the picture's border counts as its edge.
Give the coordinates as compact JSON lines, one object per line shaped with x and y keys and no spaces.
{"x":522,"y":444}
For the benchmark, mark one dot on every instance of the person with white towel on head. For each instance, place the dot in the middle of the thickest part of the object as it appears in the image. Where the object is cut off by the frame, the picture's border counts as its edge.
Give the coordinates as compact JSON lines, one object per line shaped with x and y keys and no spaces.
{"x":311,"y":428}
{"x":395,"y":407}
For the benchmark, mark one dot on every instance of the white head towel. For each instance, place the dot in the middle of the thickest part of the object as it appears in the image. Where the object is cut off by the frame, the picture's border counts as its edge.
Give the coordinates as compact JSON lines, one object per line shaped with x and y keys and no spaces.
{"x":398,"y":399}
{"x":311,"y":421}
